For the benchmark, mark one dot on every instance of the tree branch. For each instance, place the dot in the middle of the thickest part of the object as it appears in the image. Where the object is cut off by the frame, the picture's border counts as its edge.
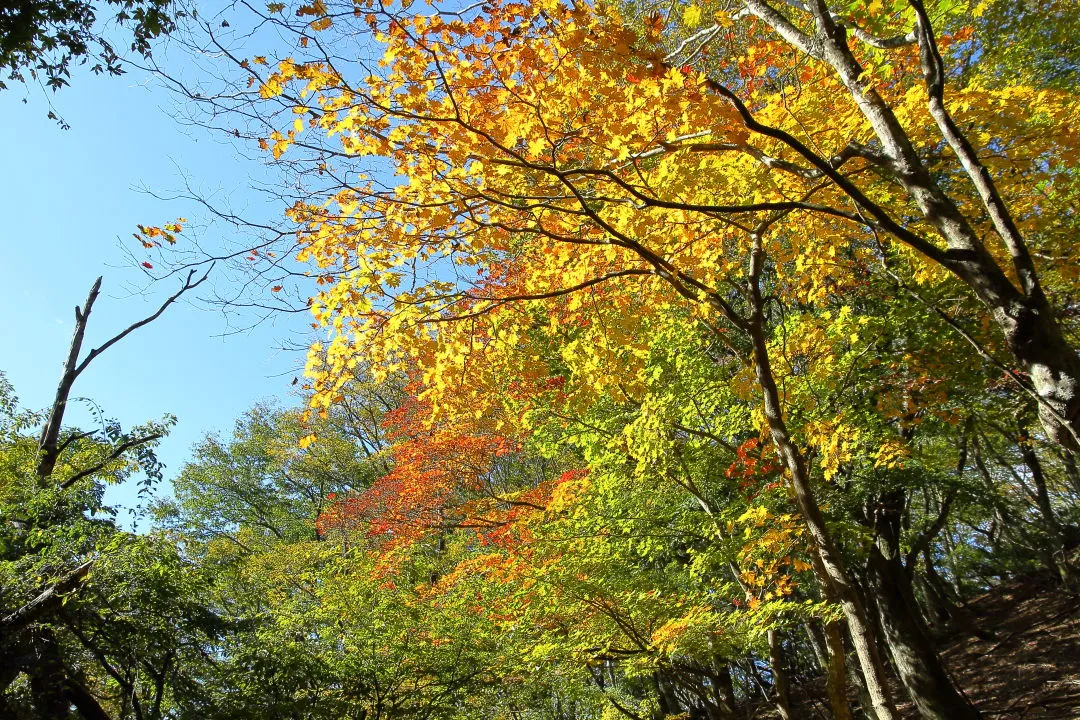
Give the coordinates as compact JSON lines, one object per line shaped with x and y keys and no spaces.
{"x":48,"y":445}
{"x":117,"y":452}
{"x":44,"y":603}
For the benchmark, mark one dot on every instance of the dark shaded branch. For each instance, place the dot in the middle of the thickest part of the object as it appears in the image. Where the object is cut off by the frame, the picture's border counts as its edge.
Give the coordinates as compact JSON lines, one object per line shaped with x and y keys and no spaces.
{"x":116,"y":453}
{"x":48,"y":445}
{"x":45,"y":602}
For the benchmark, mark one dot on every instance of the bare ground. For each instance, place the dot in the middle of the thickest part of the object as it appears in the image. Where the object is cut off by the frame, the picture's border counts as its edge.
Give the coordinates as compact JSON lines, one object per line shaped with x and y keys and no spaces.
{"x":1028,"y":670}
{"x":1031,"y":668}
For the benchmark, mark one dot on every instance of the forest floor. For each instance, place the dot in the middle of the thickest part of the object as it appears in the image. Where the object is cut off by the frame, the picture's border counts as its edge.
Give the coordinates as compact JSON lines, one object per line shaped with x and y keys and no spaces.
{"x":1029,"y":670}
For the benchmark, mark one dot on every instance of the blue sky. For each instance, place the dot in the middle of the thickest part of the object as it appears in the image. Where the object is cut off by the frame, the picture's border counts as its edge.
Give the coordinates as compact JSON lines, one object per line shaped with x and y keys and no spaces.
{"x":70,"y":200}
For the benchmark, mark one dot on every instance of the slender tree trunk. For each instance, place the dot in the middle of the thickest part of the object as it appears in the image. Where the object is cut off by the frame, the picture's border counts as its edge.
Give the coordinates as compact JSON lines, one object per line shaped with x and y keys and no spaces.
{"x":835,"y":575}
{"x":829,"y":561}
{"x":1042,"y":493}
{"x":816,"y":637}
{"x":837,"y":671}
{"x":669,"y":704}
{"x":84,"y":702}
{"x":48,"y":677}
{"x":939,"y":609}
{"x":723,"y":692}
{"x":960,"y":616}
{"x":828,"y":644}
{"x":1014,"y":525}
{"x":1068,"y":460}
{"x":781,"y":685}
{"x":1060,"y":554}
{"x":725,"y":687}
{"x":48,"y":444}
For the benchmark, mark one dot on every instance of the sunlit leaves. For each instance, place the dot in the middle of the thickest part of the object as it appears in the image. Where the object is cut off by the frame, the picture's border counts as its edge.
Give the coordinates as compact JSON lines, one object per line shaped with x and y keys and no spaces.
{"x":564,"y":226}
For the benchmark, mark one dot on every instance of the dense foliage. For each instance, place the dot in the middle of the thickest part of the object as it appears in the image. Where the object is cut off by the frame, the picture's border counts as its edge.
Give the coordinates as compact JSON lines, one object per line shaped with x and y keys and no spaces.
{"x":45,"y":38}
{"x":681,"y":360}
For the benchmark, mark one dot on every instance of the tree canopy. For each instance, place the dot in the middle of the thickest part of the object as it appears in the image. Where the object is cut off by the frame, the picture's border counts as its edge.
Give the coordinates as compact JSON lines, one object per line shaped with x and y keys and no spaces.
{"x":676,"y":361}
{"x":44,"y":38}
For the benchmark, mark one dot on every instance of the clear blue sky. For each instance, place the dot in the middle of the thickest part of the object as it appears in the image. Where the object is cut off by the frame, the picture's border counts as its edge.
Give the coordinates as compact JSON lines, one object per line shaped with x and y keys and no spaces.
{"x":70,"y":199}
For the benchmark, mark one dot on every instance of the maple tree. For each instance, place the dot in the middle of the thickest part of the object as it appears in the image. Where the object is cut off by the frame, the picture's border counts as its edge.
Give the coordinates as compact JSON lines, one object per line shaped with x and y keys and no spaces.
{"x":521,"y":163}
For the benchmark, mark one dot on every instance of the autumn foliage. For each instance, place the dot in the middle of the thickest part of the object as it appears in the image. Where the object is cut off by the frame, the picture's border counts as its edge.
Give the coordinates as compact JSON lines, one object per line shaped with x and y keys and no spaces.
{"x":740,"y":290}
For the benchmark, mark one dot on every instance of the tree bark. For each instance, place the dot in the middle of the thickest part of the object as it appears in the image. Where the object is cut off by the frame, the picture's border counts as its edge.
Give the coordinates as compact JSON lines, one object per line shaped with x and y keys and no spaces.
{"x":44,"y":604}
{"x":960,"y":617}
{"x":1060,"y":554}
{"x":827,"y":641}
{"x":1072,"y":473}
{"x":84,"y":702}
{"x":49,"y":446}
{"x":48,"y":677}
{"x":836,"y":679}
{"x":908,"y":639}
{"x":913,"y":655}
{"x":725,"y":691}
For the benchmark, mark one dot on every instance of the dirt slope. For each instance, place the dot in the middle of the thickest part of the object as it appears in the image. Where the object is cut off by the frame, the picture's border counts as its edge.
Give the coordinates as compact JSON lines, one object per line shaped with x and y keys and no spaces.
{"x":1031,"y":669}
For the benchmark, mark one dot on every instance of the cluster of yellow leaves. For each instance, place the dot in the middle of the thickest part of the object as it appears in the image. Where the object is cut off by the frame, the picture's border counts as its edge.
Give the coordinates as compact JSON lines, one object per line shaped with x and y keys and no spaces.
{"x":836,"y":441}
{"x":483,"y":140}
{"x":548,"y":139}
{"x":769,"y":556}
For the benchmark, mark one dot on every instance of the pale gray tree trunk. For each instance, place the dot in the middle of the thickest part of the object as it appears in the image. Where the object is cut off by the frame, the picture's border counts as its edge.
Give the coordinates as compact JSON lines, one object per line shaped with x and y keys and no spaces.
{"x":828,"y":562}
{"x":1024,"y":315}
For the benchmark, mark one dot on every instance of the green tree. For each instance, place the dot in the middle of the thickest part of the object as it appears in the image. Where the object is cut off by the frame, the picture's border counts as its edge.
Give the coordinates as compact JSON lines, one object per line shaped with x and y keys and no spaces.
{"x":75,"y":589}
{"x":45,"y":38}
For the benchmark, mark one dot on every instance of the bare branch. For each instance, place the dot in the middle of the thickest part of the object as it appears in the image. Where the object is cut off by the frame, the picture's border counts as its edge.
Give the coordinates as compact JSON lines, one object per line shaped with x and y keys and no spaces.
{"x":48,"y":449}
{"x":189,"y":283}
{"x":48,"y":444}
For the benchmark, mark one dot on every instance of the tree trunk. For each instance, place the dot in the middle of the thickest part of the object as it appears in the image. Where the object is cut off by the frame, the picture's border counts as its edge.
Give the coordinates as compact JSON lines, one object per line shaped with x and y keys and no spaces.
{"x":781,"y":686}
{"x":1068,"y":460}
{"x":669,"y":704}
{"x":48,"y":678}
{"x":828,"y":562}
{"x":912,"y":652}
{"x":816,"y":637}
{"x":959,"y":616}
{"x":835,"y":682}
{"x":48,"y":445}
{"x":724,"y":690}
{"x":827,"y":641}
{"x":84,"y":702}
